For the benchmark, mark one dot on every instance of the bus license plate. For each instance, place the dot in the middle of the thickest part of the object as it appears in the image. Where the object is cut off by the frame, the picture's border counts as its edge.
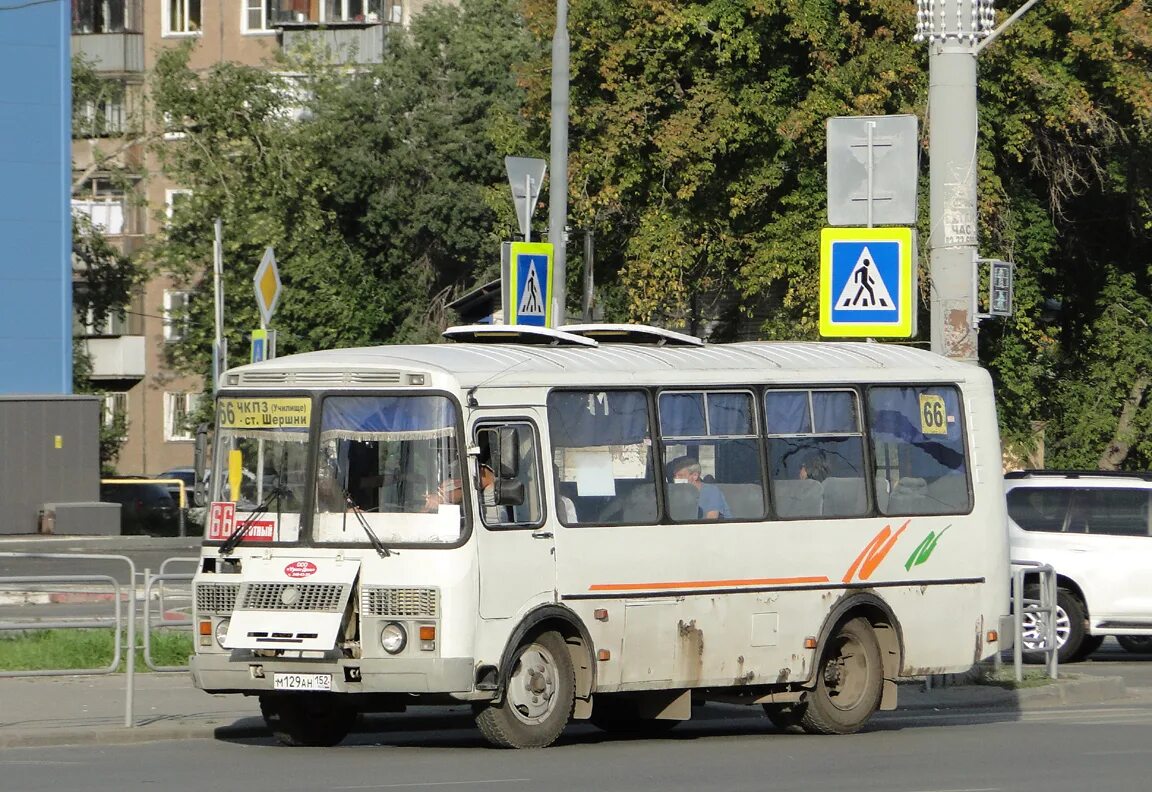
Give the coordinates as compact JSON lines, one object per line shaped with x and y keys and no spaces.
{"x":302,"y":681}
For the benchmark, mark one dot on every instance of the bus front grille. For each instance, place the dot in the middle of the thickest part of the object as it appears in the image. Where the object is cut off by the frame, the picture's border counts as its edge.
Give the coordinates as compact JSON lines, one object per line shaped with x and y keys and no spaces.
{"x":216,"y":597}
{"x":320,"y":597}
{"x":412,"y":602}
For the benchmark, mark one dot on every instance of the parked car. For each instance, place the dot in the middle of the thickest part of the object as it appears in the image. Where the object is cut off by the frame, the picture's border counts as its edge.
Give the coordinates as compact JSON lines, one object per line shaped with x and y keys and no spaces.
{"x":1094,"y":529}
{"x":185,"y":474}
{"x":146,"y":508}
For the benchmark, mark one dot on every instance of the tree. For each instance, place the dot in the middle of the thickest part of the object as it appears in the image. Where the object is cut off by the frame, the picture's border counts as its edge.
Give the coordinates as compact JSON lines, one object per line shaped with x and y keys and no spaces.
{"x":697,"y":153}
{"x":378,"y":188}
{"x":104,"y":276}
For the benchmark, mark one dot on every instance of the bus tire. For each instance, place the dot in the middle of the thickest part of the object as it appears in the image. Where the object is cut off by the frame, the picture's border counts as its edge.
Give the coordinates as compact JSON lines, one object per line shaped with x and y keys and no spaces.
{"x":307,"y":720}
{"x":538,"y":699}
{"x":849,"y":682}
{"x":785,"y":717}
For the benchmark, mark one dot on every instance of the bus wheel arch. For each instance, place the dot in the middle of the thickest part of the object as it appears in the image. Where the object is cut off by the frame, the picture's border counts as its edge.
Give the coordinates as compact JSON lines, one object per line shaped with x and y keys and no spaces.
{"x":550,"y":653}
{"x":885,"y":626}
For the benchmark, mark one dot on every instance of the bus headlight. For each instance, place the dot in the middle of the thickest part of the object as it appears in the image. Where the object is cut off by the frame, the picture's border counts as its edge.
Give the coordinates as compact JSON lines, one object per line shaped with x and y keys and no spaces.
{"x":221,"y":631}
{"x":393,"y":638}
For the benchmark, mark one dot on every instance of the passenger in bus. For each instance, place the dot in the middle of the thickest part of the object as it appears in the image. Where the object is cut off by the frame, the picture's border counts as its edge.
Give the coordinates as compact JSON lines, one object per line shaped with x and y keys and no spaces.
{"x":450,"y":491}
{"x":713,"y":504}
{"x":814,"y":466}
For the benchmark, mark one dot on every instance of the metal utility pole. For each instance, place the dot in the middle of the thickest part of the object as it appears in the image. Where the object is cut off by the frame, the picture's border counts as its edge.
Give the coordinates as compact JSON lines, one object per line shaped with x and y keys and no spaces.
{"x":558,"y":189}
{"x":952,"y":29}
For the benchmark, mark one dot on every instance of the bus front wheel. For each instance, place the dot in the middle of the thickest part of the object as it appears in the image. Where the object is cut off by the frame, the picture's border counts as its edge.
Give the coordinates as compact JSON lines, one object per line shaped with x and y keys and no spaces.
{"x":849,"y":681}
{"x":307,"y":719}
{"x":539,"y":695}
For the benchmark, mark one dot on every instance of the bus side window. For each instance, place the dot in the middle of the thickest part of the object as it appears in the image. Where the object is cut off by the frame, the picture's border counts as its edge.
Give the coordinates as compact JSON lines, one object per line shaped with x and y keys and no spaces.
{"x":602,"y":447}
{"x":508,"y":487}
{"x":918,"y":443}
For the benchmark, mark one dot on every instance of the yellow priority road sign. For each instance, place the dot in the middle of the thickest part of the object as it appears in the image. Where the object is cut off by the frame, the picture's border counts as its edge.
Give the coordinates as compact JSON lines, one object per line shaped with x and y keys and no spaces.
{"x":868,"y":282}
{"x":267,"y":285}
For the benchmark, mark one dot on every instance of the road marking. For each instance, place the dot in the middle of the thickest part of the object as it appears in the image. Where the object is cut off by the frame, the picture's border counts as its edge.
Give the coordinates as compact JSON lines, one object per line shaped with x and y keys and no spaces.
{"x":438,"y":783}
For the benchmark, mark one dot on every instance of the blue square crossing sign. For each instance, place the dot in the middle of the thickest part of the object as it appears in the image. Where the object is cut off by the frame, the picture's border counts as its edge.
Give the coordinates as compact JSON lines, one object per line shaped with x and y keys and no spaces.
{"x":527,"y":284}
{"x":867,"y":282}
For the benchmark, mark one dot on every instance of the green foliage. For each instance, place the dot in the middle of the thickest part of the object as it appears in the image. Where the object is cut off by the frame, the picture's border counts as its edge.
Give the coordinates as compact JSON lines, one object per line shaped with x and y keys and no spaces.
{"x":376,"y":187}
{"x":697,"y":154}
{"x":697,"y":137}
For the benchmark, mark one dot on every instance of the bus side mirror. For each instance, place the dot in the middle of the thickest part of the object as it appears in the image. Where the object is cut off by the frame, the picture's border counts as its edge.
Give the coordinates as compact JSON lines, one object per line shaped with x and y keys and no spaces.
{"x":508,"y":492}
{"x":199,"y":493}
{"x":504,"y":451}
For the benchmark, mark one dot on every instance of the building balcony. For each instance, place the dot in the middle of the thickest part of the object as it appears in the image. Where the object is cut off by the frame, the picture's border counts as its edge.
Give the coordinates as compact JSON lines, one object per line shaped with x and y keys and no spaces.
{"x":347,"y":43}
{"x":115,"y":357}
{"x":111,"y":53}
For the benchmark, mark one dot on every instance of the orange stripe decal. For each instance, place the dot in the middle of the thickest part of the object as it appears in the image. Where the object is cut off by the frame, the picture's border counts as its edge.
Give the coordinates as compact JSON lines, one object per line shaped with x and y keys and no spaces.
{"x":698,"y":584}
{"x":874,"y":552}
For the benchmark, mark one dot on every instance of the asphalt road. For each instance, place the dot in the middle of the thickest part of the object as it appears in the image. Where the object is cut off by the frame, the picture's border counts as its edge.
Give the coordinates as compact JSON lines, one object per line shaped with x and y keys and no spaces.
{"x":1093,"y":747}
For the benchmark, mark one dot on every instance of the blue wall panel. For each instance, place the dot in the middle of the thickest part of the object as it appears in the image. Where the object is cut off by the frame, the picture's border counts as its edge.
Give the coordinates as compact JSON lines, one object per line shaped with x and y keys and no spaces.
{"x":35,"y":219}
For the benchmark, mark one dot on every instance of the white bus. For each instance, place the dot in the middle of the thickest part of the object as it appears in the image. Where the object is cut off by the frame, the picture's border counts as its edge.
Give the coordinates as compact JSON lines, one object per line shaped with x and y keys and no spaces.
{"x":605,"y":522}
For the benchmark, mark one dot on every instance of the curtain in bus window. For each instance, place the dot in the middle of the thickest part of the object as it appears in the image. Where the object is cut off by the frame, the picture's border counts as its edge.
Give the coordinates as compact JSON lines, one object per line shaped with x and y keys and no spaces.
{"x":787,"y":412}
{"x":682,"y":415}
{"x":730,"y":414}
{"x":388,"y":417}
{"x":585,"y":419}
{"x":834,"y":412}
{"x":918,"y":442}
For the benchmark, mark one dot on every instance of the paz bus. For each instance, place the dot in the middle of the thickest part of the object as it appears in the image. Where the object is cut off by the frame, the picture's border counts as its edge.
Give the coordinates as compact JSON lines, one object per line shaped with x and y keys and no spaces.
{"x":502,"y":520}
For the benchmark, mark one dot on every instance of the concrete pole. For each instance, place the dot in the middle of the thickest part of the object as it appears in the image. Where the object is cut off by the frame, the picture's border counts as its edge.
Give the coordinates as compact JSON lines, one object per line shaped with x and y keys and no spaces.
{"x":952,"y":172}
{"x":558,"y":188}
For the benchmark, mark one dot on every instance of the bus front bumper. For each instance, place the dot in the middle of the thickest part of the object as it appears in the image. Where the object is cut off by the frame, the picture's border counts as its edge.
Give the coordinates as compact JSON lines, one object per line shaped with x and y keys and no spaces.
{"x":223,"y":674}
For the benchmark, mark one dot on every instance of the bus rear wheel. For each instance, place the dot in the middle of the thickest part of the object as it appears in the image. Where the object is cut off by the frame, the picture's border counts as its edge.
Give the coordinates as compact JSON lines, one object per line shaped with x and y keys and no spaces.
{"x":539,"y":696}
{"x":850,"y":679}
{"x":307,"y":720}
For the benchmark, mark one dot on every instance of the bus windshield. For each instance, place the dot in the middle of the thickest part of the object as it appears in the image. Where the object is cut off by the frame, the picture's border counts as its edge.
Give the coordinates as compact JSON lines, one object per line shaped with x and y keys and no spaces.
{"x":389,"y":465}
{"x":261,"y":457}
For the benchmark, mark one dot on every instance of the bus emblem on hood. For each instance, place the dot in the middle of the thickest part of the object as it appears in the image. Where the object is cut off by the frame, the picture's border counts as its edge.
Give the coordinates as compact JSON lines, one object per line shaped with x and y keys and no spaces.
{"x":300,"y":569}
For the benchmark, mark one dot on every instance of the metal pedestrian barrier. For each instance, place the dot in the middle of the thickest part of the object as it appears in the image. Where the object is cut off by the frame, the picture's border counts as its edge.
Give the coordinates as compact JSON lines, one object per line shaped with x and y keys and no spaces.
{"x":1040,"y":611}
{"x":122,"y":621}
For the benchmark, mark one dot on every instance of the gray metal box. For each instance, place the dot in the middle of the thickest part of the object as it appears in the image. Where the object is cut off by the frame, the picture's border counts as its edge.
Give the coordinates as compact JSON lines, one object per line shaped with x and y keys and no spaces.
{"x":51,"y":454}
{"x":85,"y":519}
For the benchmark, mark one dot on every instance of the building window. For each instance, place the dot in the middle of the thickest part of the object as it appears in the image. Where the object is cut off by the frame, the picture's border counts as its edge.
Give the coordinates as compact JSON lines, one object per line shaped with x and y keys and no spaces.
{"x":182,"y":17}
{"x":179,"y":408}
{"x":115,"y":408}
{"x":174,"y":198}
{"x":176,"y":314}
{"x":105,"y":16}
{"x":103,"y":204}
{"x":261,"y":15}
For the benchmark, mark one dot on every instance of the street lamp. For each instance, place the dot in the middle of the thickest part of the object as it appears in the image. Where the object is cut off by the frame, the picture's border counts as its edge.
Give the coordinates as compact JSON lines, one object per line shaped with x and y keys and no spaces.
{"x":558,"y":188}
{"x":953,"y":30}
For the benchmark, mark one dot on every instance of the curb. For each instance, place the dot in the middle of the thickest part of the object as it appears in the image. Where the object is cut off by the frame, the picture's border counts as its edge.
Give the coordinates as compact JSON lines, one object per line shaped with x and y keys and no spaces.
{"x":130,"y":735}
{"x":1059,"y":692}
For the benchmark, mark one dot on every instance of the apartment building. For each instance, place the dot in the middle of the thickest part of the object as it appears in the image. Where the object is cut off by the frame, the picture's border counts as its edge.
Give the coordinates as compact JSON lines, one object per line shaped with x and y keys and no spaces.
{"x":117,"y":182}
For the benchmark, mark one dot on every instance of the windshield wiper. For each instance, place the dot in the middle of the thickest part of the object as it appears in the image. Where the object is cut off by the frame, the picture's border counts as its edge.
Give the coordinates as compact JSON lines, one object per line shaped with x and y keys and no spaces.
{"x":243,"y":528}
{"x":381,"y":550}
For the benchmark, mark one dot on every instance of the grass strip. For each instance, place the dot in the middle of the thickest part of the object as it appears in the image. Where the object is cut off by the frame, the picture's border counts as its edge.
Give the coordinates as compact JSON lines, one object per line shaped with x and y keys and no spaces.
{"x":61,"y":650}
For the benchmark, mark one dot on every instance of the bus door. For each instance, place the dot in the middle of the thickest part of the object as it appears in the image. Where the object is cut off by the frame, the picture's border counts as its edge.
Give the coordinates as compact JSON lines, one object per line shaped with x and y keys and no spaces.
{"x":515,"y":535}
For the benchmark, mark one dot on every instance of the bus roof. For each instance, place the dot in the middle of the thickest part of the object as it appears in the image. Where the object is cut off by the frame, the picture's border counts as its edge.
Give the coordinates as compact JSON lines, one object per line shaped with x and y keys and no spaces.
{"x":605,"y":365}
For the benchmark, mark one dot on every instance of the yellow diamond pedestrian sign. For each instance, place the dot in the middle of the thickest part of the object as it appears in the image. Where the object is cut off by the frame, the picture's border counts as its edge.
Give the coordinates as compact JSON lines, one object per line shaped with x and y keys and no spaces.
{"x":868,"y":282}
{"x":267,"y":283}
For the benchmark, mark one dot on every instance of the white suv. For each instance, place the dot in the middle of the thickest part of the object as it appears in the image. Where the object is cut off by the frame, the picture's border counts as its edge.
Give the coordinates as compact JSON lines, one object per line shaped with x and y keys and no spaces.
{"x":1094,"y":529}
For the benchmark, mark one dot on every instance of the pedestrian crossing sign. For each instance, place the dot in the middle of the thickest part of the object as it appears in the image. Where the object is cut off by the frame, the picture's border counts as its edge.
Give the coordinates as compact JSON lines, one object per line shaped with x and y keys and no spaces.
{"x":528,"y":285}
{"x":868,"y":282}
